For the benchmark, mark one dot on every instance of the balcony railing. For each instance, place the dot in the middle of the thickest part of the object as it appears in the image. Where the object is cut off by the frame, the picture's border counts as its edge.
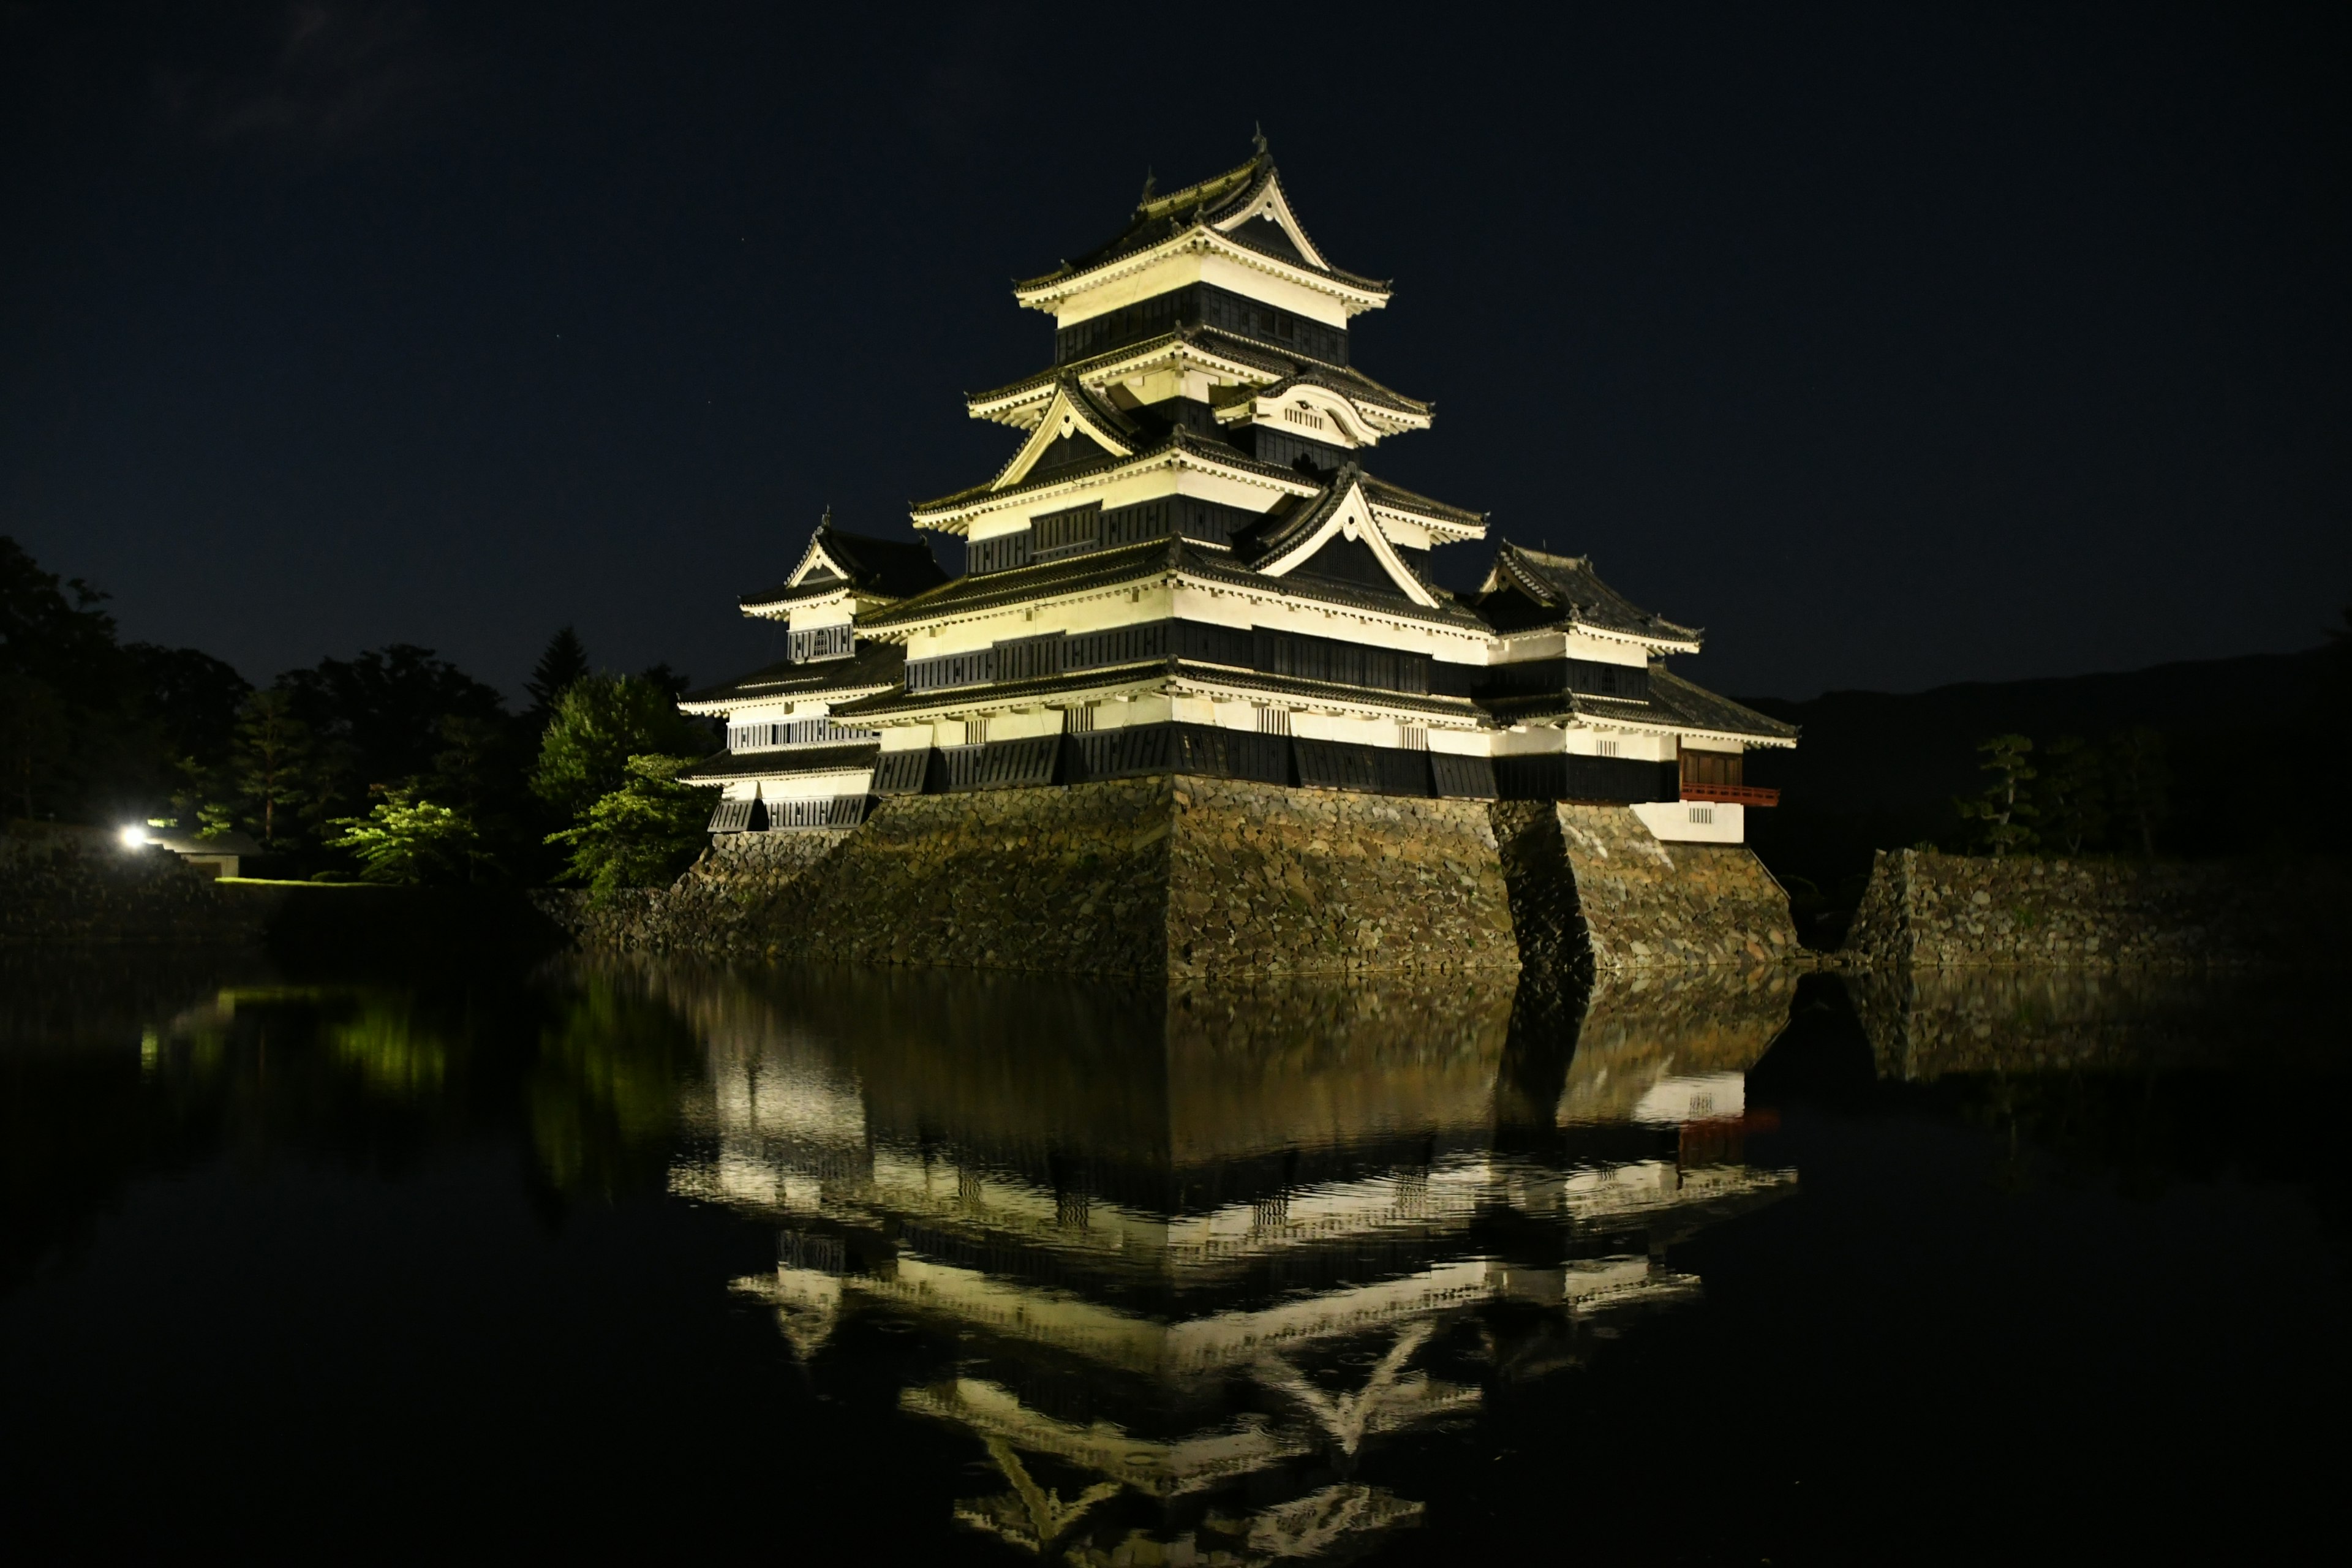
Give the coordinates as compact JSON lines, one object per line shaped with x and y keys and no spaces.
{"x":1731,"y":794}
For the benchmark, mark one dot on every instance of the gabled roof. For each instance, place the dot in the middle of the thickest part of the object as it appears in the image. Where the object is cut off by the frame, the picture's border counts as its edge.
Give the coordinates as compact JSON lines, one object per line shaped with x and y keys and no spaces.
{"x":1244,"y":207}
{"x":1177,"y":440}
{"x":1077,"y":410}
{"x":873,"y":568}
{"x":1564,"y":592}
{"x":874,"y":665}
{"x":1343,"y":512}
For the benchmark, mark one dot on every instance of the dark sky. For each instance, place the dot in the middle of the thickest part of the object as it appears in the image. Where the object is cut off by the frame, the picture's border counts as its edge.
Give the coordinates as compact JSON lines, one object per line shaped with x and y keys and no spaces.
{"x":1896,"y":347}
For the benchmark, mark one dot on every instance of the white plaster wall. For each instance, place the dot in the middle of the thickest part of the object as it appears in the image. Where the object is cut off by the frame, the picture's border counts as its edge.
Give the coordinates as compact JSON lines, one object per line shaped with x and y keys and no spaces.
{"x":1530,"y":741}
{"x":830,"y":611}
{"x":1354,"y":732}
{"x":1710,"y":743}
{"x":1670,"y":821}
{"x":1098,"y":612}
{"x":817,"y":786}
{"x":1024,"y":726}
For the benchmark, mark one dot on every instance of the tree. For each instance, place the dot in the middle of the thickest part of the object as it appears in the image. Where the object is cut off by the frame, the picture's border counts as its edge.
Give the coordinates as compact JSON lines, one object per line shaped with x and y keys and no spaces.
{"x":35,"y":738}
{"x":2140,"y":783}
{"x":2006,"y":808}
{"x":674,"y":681}
{"x":191,"y":700}
{"x":599,"y":724}
{"x":412,"y":841}
{"x":380,"y":716}
{"x":2072,"y":798}
{"x":562,"y":665}
{"x":641,"y":834}
{"x":65,"y":689}
{"x":273,"y":759}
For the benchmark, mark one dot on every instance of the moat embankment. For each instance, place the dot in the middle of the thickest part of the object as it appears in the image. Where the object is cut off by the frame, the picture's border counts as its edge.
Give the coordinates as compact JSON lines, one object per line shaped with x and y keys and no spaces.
{"x":72,"y":887}
{"x":1185,"y":877}
{"x":1154,"y":876}
{"x":1923,"y":910}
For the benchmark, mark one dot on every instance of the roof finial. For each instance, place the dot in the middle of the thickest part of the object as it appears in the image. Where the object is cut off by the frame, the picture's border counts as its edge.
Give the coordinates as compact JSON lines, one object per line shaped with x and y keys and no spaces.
{"x":1148,"y":183}
{"x":1257,"y":137}
{"x":826,"y":521}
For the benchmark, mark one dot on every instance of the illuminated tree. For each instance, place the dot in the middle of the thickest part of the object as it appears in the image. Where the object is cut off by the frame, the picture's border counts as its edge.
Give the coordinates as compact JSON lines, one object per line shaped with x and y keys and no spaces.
{"x":641,"y":834}
{"x":599,"y":724}
{"x":414,"y":841}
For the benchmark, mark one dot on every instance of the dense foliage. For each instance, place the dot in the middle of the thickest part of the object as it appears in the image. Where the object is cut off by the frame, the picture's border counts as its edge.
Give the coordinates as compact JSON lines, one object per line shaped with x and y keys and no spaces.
{"x":393,"y":765}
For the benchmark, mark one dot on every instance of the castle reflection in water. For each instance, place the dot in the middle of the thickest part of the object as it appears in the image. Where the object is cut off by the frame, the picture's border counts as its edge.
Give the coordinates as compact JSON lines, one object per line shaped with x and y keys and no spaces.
{"x":1200,"y":1249}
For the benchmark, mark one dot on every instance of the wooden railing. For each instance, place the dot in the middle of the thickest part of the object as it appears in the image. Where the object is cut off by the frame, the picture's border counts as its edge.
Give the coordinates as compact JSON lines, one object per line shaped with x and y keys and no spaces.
{"x":1731,"y":794}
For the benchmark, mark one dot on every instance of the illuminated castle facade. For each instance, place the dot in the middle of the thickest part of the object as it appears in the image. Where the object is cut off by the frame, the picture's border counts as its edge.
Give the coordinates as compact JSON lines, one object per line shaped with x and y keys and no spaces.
{"x":1189,"y":565}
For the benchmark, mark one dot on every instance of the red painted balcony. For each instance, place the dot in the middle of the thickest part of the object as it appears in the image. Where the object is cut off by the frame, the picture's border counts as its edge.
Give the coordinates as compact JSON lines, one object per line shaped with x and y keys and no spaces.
{"x":1731,"y":794}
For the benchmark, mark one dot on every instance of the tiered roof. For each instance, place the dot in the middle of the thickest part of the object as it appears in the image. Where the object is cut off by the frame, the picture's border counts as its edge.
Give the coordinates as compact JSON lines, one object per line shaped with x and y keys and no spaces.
{"x":1244,"y":210}
{"x":1021,"y":402}
{"x":875,"y":667}
{"x":836,"y":559}
{"x":1673,"y":703}
{"x":1532,"y":590}
{"x":1155,"y":561}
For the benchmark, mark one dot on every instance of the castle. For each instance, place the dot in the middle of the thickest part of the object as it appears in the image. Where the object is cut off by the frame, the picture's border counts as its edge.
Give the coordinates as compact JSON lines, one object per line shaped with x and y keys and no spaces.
{"x":1189,"y":569}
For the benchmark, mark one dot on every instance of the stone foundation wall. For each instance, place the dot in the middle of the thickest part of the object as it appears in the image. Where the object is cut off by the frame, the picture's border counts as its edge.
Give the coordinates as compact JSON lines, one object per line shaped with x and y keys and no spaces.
{"x":1591,"y":886}
{"x":1263,"y":877}
{"x":1943,"y":911}
{"x":1156,"y":876}
{"x":1070,"y":878}
{"x":728,"y":905}
{"x":79,"y":885}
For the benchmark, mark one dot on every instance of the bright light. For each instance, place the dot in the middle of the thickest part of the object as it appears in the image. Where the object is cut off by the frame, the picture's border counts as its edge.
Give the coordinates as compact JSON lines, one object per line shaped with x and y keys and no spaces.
{"x":134,"y":838}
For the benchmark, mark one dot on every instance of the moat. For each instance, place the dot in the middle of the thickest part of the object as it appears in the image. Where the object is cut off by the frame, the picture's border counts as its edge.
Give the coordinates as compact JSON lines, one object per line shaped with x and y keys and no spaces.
{"x":936,"y":1266}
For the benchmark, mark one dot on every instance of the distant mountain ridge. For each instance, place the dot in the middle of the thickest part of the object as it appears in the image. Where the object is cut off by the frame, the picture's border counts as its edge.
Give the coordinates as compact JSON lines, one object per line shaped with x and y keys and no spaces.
{"x":1879,"y":770}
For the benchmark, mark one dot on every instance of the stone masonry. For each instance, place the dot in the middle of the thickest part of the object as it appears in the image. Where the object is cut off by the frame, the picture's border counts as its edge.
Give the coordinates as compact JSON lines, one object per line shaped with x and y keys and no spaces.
{"x":1189,"y":877}
{"x":1951,"y":912}
{"x":1156,"y":876}
{"x":79,"y":885}
{"x":1591,"y":886}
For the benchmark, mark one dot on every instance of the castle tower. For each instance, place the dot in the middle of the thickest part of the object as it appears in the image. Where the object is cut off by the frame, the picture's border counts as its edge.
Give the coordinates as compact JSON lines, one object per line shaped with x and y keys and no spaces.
{"x":1189,"y":565}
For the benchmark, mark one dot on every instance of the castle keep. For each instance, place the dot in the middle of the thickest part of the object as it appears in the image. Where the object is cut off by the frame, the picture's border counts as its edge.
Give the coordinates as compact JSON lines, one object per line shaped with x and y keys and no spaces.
{"x":1189,"y":569}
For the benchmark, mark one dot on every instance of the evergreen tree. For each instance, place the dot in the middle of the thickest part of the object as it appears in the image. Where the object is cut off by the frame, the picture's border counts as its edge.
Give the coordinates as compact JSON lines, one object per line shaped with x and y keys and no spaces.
{"x":2140,"y":783}
{"x":599,"y":724}
{"x":562,"y":665}
{"x":2073,"y":797}
{"x":274,"y":761}
{"x":2006,"y":808}
{"x":674,"y":681}
{"x":641,"y":834}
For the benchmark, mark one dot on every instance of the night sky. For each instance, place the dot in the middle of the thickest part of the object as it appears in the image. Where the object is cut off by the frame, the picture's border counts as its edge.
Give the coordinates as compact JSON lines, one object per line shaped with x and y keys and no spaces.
{"x":1895,"y":348}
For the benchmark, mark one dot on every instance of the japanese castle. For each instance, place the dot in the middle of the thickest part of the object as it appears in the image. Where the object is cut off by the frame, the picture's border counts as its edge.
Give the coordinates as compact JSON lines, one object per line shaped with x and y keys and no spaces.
{"x":1189,"y":565}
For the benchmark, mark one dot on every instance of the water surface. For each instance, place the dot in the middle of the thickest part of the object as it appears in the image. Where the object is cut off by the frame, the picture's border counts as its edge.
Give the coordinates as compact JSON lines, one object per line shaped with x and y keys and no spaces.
{"x":947,"y":1267}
